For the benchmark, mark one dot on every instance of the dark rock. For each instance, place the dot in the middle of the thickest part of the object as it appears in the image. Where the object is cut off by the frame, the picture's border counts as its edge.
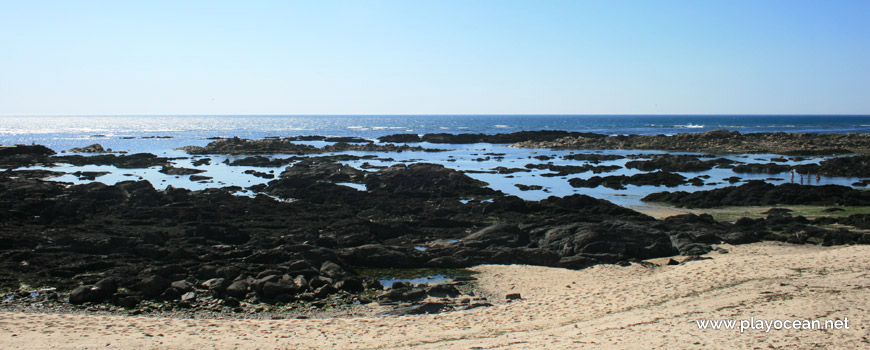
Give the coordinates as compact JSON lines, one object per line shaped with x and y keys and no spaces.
{"x":319,"y":281}
{"x":619,"y":182}
{"x":593,"y":157}
{"x":677,"y":163}
{"x":426,"y":180}
{"x":260,"y":174}
{"x":237,"y":289}
{"x":105,"y":288}
{"x":324,"y":291}
{"x":769,"y":168}
{"x":376,"y":255}
{"x":95,"y":148}
{"x":217,"y":285}
{"x":332,"y":269}
{"x":857,"y":166}
{"x":760,"y":193}
{"x":131,"y":161}
{"x":501,"y":234}
{"x":529,"y":187}
{"x":351,"y":285}
{"x":777,"y":211}
{"x":127,"y":301}
{"x":83,"y":294}
{"x":182,"y":286}
{"x":277,"y":287}
{"x":443,"y":291}
{"x":171,"y":294}
{"x":424,"y":308}
{"x":403,"y":294}
{"x":238,"y":146}
{"x":171,"y":170}
{"x":718,"y":142}
{"x":153,"y":286}
{"x":537,"y":136}
{"x":513,"y":296}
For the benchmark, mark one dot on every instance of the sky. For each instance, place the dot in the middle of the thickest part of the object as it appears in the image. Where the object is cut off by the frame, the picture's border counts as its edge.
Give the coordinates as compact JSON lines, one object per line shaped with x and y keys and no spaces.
{"x":434,"y":57}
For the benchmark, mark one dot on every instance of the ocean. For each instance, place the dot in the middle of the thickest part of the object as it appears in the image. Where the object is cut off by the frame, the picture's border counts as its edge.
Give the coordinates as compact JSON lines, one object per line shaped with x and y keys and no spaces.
{"x":130,"y":132}
{"x":161,"y":135}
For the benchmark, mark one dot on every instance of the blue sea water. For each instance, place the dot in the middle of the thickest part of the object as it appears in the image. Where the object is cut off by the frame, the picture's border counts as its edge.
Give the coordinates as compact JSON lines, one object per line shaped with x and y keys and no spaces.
{"x":162,"y":134}
{"x":127,"y":132}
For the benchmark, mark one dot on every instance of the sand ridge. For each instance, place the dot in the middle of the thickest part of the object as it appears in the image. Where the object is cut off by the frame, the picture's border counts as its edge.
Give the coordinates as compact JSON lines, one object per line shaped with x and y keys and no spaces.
{"x":606,"y":306}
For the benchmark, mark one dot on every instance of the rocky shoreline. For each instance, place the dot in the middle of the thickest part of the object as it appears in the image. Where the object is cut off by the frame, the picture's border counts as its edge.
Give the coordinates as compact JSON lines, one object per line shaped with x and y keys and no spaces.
{"x":300,"y":240}
{"x":718,"y":142}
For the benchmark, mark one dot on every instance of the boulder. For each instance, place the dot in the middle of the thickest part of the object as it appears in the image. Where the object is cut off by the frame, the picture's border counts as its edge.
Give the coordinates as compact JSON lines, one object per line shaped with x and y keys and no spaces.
{"x":153,"y":286}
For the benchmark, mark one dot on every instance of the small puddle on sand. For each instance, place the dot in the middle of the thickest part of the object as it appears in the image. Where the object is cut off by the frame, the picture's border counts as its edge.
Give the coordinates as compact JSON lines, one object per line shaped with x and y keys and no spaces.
{"x":388,"y":276}
{"x":432,"y":279}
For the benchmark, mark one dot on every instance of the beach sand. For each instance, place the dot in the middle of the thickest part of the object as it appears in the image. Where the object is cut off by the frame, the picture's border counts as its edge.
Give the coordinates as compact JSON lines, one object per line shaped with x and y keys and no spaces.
{"x":606,"y":306}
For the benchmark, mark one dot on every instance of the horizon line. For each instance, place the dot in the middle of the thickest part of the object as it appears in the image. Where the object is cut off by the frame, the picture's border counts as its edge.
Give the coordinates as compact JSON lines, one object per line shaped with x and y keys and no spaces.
{"x":445,"y":115}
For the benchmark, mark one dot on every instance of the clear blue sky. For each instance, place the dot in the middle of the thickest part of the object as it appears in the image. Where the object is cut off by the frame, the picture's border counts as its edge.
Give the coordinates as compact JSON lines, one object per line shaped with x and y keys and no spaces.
{"x":434,"y":57}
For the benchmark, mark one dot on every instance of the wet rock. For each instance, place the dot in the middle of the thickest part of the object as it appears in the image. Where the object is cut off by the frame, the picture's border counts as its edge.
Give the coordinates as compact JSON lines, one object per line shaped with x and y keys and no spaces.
{"x":83,"y":294}
{"x":261,"y":161}
{"x":732,"y":180}
{"x":543,"y":135}
{"x":277,"y":287}
{"x":95,"y":148}
{"x":777,"y":211}
{"x":324,"y":291}
{"x":171,"y":170}
{"x":218,"y":285}
{"x":618,"y":182}
{"x":105,"y":288}
{"x":424,"y":308}
{"x":350,"y":284}
{"x":260,"y":174}
{"x":529,"y":187}
{"x":593,"y":157}
{"x":153,"y":286}
{"x":402,"y":294}
{"x":21,"y":155}
{"x":319,"y":281}
{"x":677,"y":163}
{"x":500,"y":234}
{"x":443,"y":291}
{"x":132,"y":161}
{"x":769,"y":168}
{"x":89,"y":175}
{"x":182,"y":286}
{"x":224,"y":234}
{"x":426,"y":180}
{"x":126,"y":301}
{"x":718,"y":142}
{"x":857,"y":166}
{"x":376,"y":255}
{"x":323,"y":171}
{"x":761,"y":193}
{"x":237,"y":289}
{"x":237,"y":146}
{"x":332,"y":269}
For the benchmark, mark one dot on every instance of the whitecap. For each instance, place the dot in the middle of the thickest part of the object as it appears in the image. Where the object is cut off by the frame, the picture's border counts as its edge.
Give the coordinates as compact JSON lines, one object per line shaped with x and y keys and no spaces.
{"x":690,"y":126}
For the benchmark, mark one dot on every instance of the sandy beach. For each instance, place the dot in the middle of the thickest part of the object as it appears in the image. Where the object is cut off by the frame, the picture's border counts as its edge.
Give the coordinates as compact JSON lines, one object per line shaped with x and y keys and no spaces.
{"x":606,"y":306}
